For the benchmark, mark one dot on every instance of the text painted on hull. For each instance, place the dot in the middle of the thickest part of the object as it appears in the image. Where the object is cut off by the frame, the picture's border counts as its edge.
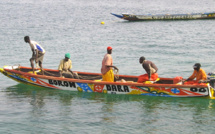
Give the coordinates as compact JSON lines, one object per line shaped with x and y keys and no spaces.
{"x":117,"y":88}
{"x":62,"y":83}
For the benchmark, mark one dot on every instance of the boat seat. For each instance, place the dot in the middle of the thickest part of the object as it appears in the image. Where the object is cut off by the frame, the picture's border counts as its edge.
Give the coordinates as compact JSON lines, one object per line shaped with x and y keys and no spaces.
{"x":122,"y":80}
{"x":35,"y":72}
{"x":151,"y":82}
{"x":98,"y":80}
{"x":178,"y":80}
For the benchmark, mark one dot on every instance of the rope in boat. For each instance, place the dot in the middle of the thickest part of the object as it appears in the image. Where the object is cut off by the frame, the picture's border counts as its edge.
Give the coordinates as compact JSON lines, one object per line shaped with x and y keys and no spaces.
{"x":116,"y":73}
{"x":76,"y":74}
{"x":49,"y":73}
{"x":90,"y":77}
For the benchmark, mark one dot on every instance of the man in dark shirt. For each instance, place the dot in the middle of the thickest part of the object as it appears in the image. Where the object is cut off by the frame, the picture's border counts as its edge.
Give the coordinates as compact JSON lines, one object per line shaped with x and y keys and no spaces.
{"x":150,"y":68}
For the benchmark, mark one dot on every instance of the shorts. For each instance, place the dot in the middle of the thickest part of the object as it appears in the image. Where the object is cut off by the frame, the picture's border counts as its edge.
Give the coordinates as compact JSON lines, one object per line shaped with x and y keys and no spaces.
{"x":39,"y":58}
{"x":108,"y":76}
{"x":145,"y":77}
{"x":67,"y":75}
{"x":70,"y":75}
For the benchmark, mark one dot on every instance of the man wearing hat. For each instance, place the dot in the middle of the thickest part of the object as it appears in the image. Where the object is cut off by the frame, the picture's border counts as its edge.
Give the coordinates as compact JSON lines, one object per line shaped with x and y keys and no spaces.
{"x":150,"y":68}
{"x":107,"y":64}
{"x":65,"y":67}
{"x":198,"y":73}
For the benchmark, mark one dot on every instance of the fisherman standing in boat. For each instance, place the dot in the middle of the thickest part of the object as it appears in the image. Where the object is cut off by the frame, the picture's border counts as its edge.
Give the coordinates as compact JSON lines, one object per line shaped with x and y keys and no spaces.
{"x":150,"y":68}
{"x":37,"y":53}
{"x":107,"y":64}
{"x":65,"y":67}
{"x":198,"y":73}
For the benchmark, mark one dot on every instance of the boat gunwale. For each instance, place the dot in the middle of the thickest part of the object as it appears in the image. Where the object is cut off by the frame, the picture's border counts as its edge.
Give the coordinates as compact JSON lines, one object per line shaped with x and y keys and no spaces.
{"x":183,"y":14}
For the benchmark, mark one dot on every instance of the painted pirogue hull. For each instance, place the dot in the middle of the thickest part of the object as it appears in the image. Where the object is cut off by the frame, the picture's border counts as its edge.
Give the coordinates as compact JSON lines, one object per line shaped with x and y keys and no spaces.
{"x":150,"y":89}
{"x":193,"y":16}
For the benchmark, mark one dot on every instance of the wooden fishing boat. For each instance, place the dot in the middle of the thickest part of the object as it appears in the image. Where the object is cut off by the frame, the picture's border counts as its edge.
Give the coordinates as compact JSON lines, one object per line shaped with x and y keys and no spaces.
{"x":91,"y":82}
{"x":191,"y":16}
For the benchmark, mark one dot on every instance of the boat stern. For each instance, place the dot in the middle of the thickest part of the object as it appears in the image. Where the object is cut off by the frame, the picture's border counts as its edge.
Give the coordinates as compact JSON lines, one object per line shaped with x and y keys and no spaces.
{"x":212,"y":95}
{"x":211,"y":87}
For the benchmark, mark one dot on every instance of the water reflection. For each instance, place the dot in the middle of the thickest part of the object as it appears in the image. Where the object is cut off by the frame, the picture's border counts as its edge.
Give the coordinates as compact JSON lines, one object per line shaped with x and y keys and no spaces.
{"x":144,"y":110}
{"x":73,"y":107}
{"x":37,"y":95}
{"x":65,"y":97}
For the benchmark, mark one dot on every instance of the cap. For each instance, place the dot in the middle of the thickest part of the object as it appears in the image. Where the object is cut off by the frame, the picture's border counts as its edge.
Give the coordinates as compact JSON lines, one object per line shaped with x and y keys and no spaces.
{"x":67,"y":55}
{"x":197,"y":65}
{"x":109,"y":48}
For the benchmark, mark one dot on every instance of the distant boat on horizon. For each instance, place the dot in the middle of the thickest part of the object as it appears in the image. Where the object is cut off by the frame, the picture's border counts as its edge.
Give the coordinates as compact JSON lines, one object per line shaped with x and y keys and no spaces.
{"x":149,"y":17}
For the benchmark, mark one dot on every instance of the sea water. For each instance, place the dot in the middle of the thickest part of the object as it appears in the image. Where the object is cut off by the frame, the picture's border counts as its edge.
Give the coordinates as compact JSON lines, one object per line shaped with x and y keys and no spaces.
{"x":74,"y":26}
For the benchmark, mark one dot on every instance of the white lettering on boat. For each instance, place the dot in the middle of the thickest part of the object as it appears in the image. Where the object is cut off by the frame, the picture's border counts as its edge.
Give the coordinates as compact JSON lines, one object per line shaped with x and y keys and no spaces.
{"x":194,"y":89}
{"x":62,"y":83}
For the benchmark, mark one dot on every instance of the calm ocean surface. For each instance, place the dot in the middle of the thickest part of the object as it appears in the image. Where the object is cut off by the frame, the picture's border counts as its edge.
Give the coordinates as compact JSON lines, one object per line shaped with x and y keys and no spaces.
{"x":75,"y":26}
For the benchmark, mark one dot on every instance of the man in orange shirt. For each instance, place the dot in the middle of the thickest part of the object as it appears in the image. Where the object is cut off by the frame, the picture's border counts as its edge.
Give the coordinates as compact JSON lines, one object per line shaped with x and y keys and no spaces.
{"x":107,"y":64}
{"x":198,"y":73}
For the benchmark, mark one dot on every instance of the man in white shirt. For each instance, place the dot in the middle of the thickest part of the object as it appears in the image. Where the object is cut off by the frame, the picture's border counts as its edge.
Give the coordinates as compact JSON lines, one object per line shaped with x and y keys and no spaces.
{"x":37,"y":53}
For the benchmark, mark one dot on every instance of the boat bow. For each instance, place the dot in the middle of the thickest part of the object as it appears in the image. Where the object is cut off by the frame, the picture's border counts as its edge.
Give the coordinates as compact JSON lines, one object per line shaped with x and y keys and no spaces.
{"x":119,"y":16}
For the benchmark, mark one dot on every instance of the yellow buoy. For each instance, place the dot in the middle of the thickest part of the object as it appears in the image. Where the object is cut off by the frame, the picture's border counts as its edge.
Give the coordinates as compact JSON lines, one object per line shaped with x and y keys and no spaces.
{"x":102,"y":22}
